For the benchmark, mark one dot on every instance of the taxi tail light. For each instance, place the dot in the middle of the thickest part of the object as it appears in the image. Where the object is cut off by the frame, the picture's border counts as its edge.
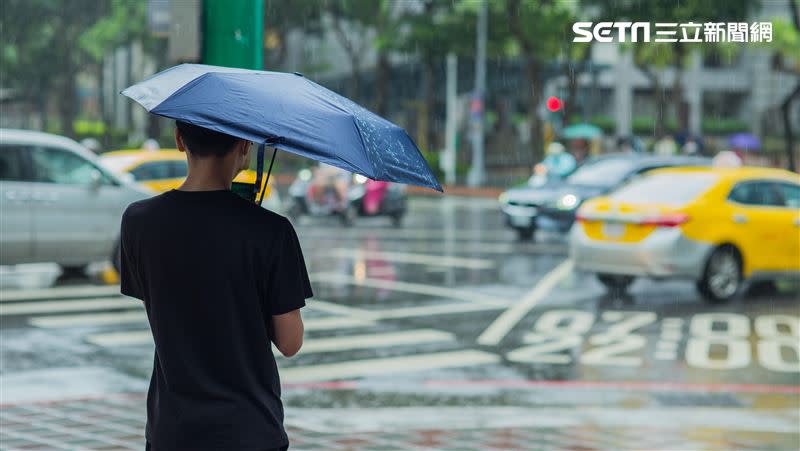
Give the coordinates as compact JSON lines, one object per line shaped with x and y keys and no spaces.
{"x":667,"y":220}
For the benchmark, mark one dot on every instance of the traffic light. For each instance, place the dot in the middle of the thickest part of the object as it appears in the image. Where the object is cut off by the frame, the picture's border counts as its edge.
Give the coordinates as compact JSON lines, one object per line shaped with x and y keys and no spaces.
{"x":554,"y":104}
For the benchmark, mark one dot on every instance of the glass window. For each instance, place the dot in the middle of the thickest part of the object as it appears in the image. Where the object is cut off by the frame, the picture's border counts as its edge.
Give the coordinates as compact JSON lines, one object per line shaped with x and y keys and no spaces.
{"x":603,"y":172}
{"x":671,"y":188}
{"x":118,"y":163}
{"x":52,"y":165}
{"x":153,"y":170}
{"x":757,"y":193}
{"x":12,"y":162}
{"x":178,"y":169}
{"x":791,"y":194}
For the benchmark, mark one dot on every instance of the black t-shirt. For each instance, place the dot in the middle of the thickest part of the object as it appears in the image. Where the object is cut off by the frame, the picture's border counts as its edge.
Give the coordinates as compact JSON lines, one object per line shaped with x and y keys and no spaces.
{"x":212,"y":268}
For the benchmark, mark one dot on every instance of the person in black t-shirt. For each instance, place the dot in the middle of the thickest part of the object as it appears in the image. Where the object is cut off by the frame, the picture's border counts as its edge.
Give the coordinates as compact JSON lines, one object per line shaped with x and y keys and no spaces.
{"x":220,"y":278}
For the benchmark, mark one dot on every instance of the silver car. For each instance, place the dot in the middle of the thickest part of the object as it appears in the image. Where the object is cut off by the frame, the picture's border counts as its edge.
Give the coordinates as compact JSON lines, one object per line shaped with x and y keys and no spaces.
{"x":58,"y":204}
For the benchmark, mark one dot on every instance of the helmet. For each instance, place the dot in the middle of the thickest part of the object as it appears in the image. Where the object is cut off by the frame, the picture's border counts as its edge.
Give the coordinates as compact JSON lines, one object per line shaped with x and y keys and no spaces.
{"x":555,"y":148}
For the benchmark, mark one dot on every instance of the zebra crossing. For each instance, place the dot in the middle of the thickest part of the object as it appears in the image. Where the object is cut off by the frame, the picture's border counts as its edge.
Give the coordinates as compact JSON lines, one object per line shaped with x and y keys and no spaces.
{"x":355,"y":342}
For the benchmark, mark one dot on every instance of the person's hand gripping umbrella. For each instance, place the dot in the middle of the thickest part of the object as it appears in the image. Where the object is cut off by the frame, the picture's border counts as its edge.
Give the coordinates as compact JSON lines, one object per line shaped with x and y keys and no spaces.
{"x":287,"y":112}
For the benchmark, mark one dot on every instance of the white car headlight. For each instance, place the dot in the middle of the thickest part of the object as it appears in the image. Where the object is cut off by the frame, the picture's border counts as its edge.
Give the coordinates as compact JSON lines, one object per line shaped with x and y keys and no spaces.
{"x":568,"y":202}
{"x":503,"y":198}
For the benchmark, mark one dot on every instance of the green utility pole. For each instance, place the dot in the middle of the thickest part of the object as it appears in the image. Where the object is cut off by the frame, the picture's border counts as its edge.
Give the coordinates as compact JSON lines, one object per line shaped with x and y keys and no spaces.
{"x":233,"y":33}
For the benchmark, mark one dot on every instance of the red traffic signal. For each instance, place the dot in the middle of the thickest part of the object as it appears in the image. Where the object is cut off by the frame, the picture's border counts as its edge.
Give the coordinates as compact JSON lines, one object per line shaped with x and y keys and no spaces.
{"x":554,"y":104}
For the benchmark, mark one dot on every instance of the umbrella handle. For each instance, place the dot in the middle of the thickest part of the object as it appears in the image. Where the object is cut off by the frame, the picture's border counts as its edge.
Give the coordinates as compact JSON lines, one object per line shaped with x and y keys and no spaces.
{"x":259,"y":171}
{"x":269,"y":171}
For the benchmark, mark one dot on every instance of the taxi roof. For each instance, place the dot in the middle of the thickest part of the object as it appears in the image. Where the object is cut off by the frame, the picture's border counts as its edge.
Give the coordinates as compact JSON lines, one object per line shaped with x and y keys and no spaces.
{"x":147,"y":155}
{"x":740,"y":173}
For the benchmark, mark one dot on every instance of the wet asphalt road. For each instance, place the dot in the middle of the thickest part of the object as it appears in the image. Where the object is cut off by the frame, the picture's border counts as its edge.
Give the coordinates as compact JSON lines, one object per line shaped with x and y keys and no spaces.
{"x":447,"y":310}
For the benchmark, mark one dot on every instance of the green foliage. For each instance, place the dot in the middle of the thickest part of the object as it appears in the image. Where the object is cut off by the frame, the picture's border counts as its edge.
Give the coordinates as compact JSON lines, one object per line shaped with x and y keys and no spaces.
{"x":604,"y":122}
{"x":646,"y":125}
{"x":672,"y":54}
{"x":85,"y":128}
{"x":785,"y":40}
{"x":723,"y":126}
{"x":125,"y":22}
{"x":535,"y":29}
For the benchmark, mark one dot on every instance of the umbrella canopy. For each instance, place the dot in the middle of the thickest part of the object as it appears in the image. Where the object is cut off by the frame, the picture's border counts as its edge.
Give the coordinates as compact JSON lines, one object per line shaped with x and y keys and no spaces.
{"x":581,"y":131}
{"x":288,"y":112}
{"x":744,"y":141}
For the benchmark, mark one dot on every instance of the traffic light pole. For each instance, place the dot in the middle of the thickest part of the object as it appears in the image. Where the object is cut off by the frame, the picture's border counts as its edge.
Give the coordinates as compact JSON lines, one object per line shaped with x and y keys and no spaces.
{"x":477,"y":173}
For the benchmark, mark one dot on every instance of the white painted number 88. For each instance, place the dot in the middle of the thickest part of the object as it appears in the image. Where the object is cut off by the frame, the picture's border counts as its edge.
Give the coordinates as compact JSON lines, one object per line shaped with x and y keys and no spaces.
{"x":733,"y":338}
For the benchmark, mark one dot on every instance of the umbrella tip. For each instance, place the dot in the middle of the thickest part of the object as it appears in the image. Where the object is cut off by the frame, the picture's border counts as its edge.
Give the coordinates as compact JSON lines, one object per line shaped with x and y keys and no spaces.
{"x":299,"y":74}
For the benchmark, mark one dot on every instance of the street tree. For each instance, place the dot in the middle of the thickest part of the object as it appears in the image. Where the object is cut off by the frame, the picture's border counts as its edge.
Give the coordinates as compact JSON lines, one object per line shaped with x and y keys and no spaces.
{"x":536,"y":32}
{"x":654,"y":57}
{"x":786,"y":48}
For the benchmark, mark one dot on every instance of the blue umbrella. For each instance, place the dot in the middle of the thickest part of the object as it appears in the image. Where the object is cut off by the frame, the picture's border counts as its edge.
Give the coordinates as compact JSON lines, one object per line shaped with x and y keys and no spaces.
{"x":287,"y":112}
{"x":744,"y":141}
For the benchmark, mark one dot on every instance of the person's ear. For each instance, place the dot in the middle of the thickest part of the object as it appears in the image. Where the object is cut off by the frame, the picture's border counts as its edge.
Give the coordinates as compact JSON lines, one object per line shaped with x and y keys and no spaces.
{"x":179,"y":140}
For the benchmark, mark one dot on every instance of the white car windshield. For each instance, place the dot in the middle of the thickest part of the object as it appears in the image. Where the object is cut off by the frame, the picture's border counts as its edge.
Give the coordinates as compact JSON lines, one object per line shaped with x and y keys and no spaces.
{"x":666,"y":188}
{"x":604,"y":172}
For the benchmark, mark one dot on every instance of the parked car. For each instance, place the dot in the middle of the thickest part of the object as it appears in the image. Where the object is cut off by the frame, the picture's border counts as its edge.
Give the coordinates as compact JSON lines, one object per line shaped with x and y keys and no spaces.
{"x":552,"y":204}
{"x":163,"y":170}
{"x":59,"y":204}
{"x":715,"y":226}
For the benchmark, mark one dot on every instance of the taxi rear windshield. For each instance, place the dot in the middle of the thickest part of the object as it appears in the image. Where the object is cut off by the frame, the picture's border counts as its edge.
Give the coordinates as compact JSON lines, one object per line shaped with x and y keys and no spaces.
{"x":667,"y":188}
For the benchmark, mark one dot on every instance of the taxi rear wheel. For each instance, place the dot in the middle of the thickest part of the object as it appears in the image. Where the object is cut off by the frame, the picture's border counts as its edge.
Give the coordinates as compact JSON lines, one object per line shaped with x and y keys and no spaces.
{"x":722,"y":277}
{"x":526,"y":234}
{"x":615,"y":283}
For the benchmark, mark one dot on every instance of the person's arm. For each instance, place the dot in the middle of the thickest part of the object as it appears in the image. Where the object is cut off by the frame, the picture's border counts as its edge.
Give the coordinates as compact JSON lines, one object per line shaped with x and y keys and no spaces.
{"x":287,"y":289}
{"x":130,"y":282}
{"x":288,"y":332}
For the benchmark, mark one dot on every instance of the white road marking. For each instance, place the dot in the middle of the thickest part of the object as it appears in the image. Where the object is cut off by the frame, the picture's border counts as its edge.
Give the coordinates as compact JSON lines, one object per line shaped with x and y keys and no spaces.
{"x":140,"y":337}
{"x":388,"y":365}
{"x":429,"y":310}
{"x":408,"y":420}
{"x":27,"y":308}
{"x":509,"y":318}
{"x":128,"y":338}
{"x":335,"y":323}
{"x":408,"y":287}
{"x":80,"y":291}
{"x":377,"y":340}
{"x":422,"y":259}
{"x":339,"y":309}
{"x":89,"y":319}
{"x":671,"y":335}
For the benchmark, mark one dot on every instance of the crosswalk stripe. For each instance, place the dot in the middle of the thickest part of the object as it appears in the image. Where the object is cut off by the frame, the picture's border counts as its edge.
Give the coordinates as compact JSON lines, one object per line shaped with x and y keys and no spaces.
{"x":408,"y":287}
{"x":140,"y":337}
{"x":387,"y":365}
{"x":407,"y":257}
{"x":80,"y":291}
{"x":27,"y":308}
{"x":129,"y":338}
{"x":90,"y":319}
{"x":377,"y":340}
{"x":102,"y":319}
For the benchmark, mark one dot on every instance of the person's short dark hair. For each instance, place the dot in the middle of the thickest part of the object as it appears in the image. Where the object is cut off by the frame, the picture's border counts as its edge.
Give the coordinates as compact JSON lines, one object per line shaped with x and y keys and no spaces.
{"x":203,"y":142}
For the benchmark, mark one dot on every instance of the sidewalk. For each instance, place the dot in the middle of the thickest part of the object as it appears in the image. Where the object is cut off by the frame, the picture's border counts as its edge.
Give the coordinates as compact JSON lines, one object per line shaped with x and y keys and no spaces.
{"x":116,"y":422}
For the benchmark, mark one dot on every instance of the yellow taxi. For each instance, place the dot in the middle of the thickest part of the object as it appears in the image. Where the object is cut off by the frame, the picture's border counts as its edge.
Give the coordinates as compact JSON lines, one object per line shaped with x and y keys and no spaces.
{"x":715,"y":226}
{"x":160,"y":170}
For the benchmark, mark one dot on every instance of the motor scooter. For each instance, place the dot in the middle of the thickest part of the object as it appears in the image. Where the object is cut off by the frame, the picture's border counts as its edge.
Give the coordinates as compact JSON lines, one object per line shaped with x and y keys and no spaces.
{"x":364,"y":198}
